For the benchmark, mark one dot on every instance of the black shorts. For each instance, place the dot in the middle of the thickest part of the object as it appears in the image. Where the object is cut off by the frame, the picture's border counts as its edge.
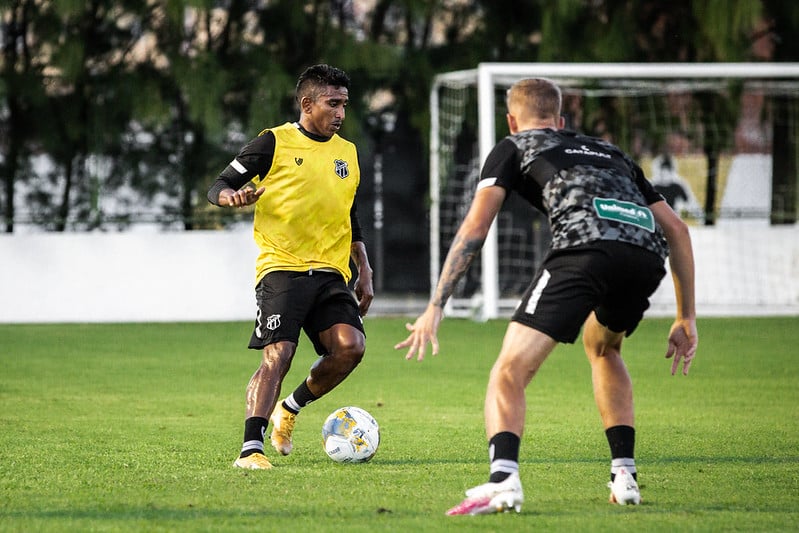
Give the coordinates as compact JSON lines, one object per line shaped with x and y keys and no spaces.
{"x":614,"y":279}
{"x":312,"y":301}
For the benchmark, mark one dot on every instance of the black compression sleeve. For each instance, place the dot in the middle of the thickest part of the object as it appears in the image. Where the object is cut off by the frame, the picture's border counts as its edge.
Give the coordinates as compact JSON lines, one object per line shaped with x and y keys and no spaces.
{"x":216,"y":187}
{"x":357,"y":233}
{"x":254,"y":159}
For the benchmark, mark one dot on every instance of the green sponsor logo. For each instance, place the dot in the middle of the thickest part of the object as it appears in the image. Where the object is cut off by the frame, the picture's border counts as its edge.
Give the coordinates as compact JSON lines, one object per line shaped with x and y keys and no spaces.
{"x":625,"y":212}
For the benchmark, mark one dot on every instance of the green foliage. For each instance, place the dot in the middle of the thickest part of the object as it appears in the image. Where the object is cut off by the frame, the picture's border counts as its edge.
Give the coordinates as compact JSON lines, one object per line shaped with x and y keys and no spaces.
{"x":727,"y":38}
{"x":202,"y":83}
{"x":208,"y":71}
{"x":273,"y":93}
{"x":781,"y":18}
{"x":709,"y":30}
{"x":68,"y":8}
{"x":614,"y":40}
{"x":121,"y":427}
{"x":175,"y":11}
{"x":69,"y":60}
{"x":148,"y":104}
{"x":560,"y":27}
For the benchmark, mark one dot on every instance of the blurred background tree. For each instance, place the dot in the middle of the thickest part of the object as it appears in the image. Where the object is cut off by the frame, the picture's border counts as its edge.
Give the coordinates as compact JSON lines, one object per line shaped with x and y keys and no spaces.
{"x":121,"y":112}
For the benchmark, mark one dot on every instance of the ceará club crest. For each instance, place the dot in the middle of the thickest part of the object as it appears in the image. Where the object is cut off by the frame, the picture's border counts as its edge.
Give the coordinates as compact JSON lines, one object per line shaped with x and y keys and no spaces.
{"x":341,"y":168}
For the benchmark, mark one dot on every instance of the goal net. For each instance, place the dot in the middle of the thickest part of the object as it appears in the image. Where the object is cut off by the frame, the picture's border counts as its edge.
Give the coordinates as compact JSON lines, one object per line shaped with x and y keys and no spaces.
{"x":719,"y":141}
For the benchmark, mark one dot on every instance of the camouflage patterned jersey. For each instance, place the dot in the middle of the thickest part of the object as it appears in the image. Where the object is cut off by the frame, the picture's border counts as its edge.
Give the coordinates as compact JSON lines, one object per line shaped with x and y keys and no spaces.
{"x":589,"y":188}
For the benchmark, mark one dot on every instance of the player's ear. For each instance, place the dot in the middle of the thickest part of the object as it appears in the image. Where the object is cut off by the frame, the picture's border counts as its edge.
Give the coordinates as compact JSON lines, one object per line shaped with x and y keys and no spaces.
{"x":513,"y":126}
{"x":305,"y":104}
{"x":561,"y":122}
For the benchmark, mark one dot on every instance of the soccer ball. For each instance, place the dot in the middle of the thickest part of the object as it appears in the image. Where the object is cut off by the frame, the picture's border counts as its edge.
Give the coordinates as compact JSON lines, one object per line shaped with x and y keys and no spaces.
{"x":350,"y":435}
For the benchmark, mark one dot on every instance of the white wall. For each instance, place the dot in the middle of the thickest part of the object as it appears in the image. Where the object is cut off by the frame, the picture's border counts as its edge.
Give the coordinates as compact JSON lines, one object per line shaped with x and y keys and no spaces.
{"x":127,"y":277}
{"x":743,"y":268}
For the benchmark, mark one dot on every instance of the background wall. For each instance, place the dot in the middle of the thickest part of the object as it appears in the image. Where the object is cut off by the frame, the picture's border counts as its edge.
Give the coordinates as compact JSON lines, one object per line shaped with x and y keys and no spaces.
{"x":743,"y":268}
{"x":127,"y":277}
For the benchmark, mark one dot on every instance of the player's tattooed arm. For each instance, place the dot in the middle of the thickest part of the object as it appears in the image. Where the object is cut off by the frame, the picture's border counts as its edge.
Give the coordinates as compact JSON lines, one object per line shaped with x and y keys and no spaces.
{"x":464,"y":247}
{"x":460,"y":257}
{"x":468,"y":241}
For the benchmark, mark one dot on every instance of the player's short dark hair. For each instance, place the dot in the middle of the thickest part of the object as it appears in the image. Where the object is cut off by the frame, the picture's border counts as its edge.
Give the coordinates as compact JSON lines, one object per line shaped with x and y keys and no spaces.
{"x":317,"y":77}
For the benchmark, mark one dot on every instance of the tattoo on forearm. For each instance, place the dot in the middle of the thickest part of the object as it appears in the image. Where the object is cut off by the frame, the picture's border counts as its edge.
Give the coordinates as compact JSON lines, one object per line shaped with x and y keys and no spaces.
{"x":460,"y":256}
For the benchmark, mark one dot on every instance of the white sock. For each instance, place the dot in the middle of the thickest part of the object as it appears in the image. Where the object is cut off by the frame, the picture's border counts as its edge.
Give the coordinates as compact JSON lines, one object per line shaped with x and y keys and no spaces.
{"x":622,"y":462}
{"x":291,"y":403}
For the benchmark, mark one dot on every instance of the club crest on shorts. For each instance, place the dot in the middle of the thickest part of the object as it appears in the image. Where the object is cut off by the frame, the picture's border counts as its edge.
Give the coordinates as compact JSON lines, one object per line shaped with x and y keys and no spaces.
{"x":272,"y":322}
{"x":342,"y":170}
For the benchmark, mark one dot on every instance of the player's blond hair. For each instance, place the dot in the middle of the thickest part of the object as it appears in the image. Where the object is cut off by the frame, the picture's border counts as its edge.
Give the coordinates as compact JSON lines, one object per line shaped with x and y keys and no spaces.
{"x":535,"y":98}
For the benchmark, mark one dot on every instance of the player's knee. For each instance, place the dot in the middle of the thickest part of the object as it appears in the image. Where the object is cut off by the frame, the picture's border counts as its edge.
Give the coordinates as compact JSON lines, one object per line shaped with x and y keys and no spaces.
{"x":512,"y":371}
{"x":354,"y":351}
{"x":350,"y":350}
{"x":600,"y":341}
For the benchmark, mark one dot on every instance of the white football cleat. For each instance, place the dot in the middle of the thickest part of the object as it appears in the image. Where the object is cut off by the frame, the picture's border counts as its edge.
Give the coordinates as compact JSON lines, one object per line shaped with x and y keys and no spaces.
{"x":491,"y":498}
{"x":624,"y":489}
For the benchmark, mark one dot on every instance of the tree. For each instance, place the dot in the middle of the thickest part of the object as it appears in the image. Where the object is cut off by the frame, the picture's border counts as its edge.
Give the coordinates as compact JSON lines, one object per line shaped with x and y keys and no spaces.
{"x":148,"y":98}
{"x":678,"y":31}
{"x":20,"y":87}
{"x":62,"y":68}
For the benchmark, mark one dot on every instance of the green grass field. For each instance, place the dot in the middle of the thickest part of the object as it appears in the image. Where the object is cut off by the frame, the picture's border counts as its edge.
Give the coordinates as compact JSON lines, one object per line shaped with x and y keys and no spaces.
{"x":134,"y":427}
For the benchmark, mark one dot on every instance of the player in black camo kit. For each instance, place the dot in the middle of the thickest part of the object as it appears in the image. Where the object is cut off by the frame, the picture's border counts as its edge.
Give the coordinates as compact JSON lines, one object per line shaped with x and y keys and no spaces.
{"x":611,"y":233}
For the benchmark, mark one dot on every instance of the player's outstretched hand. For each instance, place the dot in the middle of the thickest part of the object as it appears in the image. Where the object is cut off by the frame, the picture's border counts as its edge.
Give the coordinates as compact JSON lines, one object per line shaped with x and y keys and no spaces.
{"x":683,"y":340}
{"x":422,"y":331}
{"x":245,"y":196}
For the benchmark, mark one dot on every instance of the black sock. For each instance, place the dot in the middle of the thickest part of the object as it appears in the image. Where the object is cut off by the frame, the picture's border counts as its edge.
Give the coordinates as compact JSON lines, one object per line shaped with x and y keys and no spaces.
{"x":622,"y":441}
{"x":503,"y":450}
{"x":254,"y":431}
{"x":301,"y":397}
{"x":622,"y":446}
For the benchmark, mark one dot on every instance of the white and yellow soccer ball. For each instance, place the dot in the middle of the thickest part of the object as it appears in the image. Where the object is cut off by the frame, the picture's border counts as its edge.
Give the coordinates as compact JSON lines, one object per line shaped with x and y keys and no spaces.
{"x":350,"y":435}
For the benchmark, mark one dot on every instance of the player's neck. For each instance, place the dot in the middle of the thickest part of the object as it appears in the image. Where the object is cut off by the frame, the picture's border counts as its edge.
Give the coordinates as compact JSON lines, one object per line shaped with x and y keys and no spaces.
{"x":310,"y":134}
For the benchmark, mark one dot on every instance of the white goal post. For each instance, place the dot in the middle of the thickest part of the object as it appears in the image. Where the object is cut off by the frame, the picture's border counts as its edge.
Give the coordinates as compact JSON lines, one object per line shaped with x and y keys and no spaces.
{"x":478,"y":107}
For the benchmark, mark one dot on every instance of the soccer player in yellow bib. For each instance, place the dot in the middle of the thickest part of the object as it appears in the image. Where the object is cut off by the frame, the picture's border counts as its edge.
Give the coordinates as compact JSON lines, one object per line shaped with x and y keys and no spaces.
{"x":302,"y":178}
